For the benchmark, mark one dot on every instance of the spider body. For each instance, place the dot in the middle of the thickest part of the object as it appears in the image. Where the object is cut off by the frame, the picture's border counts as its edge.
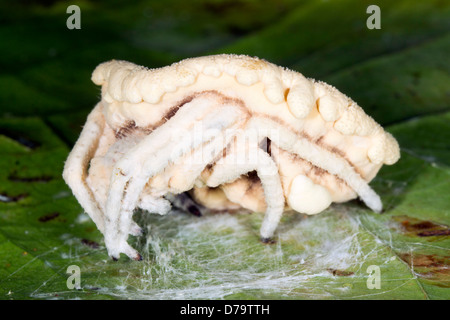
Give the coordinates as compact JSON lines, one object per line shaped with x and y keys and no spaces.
{"x":235,"y":131}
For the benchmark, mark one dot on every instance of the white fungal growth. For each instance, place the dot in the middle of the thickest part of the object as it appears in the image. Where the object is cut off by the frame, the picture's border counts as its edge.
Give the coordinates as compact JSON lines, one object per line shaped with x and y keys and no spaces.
{"x":198,"y":125}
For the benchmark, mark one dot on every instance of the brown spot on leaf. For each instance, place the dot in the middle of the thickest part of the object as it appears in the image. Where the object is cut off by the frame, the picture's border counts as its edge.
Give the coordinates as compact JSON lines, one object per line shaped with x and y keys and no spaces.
{"x":49,"y":217}
{"x":340,"y":273}
{"x":90,"y":243}
{"x":20,"y":138}
{"x":431,"y":267}
{"x":430,"y":233}
{"x":422,"y":228}
{"x":15,"y":178}
{"x":4,"y":197}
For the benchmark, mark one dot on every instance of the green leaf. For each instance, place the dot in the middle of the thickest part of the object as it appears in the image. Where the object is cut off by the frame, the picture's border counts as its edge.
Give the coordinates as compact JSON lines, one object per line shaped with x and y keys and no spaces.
{"x":398,"y":74}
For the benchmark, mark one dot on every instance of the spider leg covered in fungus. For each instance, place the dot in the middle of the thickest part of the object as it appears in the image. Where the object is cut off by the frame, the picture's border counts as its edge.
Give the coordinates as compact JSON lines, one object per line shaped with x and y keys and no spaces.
{"x":75,"y":168}
{"x":322,"y":158}
{"x":157,"y":152}
{"x":244,"y":157}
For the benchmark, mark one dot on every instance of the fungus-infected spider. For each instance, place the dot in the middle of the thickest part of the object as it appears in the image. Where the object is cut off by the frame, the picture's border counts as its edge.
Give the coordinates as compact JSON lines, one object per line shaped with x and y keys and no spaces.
{"x":199,"y":125}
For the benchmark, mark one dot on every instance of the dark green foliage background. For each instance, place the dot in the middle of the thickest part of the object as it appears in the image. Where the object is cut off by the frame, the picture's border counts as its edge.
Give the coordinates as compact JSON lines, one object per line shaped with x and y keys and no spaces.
{"x":400,"y":75}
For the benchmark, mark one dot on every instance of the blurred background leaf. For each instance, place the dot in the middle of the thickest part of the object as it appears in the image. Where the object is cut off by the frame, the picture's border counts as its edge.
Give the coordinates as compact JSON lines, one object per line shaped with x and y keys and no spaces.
{"x":399,"y":74}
